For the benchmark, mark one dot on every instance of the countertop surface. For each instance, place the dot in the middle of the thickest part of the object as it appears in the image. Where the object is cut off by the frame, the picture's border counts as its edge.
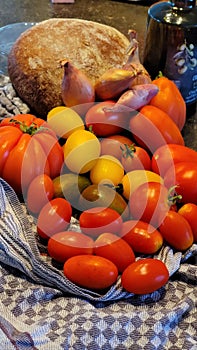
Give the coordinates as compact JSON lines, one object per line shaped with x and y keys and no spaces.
{"x":123,"y":15}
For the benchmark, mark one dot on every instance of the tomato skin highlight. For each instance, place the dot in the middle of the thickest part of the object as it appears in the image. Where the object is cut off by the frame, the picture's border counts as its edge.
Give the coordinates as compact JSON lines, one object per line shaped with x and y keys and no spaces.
{"x":54,"y":217}
{"x":141,"y":236}
{"x":90,"y":271}
{"x":145,"y":276}
{"x":115,"y":249}
{"x":189,"y":212}
{"x":64,"y":245}
{"x":97,"y":220}
{"x":40,"y":192}
{"x":176,"y":231}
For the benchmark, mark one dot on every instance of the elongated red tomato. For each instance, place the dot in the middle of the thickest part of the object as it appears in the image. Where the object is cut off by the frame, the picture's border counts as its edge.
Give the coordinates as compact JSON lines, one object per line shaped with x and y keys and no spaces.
{"x":90,"y":271}
{"x":176,"y":231}
{"x":168,"y":155}
{"x":115,"y":249}
{"x":189,"y":212}
{"x":141,"y":236}
{"x":145,"y":276}
{"x":97,"y":220}
{"x":54,"y":217}
{"x":64,"y":245}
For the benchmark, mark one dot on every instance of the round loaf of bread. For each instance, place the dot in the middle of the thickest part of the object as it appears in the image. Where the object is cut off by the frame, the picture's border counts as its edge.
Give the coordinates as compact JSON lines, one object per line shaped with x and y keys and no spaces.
{"x":33,"y":62}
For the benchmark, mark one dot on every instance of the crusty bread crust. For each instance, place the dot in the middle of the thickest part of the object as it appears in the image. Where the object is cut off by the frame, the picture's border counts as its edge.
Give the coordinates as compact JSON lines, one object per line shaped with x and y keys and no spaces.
{"x":33,"y":62}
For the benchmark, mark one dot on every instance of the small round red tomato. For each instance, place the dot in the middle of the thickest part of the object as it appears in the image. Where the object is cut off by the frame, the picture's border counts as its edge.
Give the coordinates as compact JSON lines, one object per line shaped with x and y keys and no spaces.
{"x":183,"y":175}
{"x":91,"y":271}
{"x":134,"y":157}
{"x":113,"y":145}
{"x":141,"y":236}
{"x":189,"y":212}
{"x":40,"y":191}
{"x":54,"y":217}
{"x":145,"y":276}
{"x":176,"y":231}
{"x":97,"y":220}
{"x":102,"y":122}
{"x":168,"y":155}
{"x":149,"y":202}
{"x":64,"y":245}
{"x":115,"y":249}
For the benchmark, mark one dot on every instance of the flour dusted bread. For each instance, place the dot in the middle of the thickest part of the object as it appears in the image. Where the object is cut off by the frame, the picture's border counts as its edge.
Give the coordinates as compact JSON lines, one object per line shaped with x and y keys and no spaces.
{"x":33,"y":62}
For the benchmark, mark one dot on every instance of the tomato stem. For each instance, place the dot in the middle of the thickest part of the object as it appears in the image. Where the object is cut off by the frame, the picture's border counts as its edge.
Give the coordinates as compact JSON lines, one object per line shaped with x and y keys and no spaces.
{"x":173,"y":198}
{"x":128,"y":151}
{"x":31,"y":129}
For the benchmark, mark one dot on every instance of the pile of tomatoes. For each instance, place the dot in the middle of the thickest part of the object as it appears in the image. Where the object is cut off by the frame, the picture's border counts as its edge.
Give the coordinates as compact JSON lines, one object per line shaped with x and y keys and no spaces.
{"x":127,"y":177}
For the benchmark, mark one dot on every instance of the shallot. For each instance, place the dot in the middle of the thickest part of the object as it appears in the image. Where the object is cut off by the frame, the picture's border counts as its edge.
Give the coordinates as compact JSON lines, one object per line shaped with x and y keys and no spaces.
{"x":133,"y":61}
{"x":76,"y":87}
{"x":135,"y":98}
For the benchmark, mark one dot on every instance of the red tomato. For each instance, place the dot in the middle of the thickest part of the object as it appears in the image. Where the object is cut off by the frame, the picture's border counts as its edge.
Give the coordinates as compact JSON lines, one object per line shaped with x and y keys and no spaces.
{"x":189,"y":212}
{"x":64,"y":245}
{"x":168,"y":155}
{"x":115,"y":249}
{"x":145,"y":276}
{"x":113,"y":145}
{"x":54,"y":217}
{"x":153,"y":128}
{"x":90,"y":271}
{"x":40,"y":192}
{"x":134,"y":157}
{"x":141,"y":236}
{"x":149,"y":202}
{"x":105,"y":123}
{"x":183,"y":175}
{"x":97,"y":220}
{"x":176,"y":231}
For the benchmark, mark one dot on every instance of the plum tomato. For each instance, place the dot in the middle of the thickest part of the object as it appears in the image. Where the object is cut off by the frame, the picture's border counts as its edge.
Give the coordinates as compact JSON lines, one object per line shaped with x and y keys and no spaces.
{"x":150,"y":203}
{"x":176,"y":231}
{"x":104,"y":123}
{"x":91,"y":271}
{"x":97,"y":220}
{"x":107,"y":169}
{"x":63,"y":245}
{"x":112,"y":145}
{"x":183,"y":175}
{"x":134,"y":157}
{"x":115,"y":249}
{"x":141,"y":236}
{"x":189,"y":212}
{"x":40,"y":192}
{"x":54,"y":217}
{"x":145,"y":276}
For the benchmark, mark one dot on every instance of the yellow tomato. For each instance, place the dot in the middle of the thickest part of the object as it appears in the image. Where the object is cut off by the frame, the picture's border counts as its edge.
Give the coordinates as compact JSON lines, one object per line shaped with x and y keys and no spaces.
{"x":107,"y":169}
{"x":64,"y":121}
{"x":133,"y":179}
{"x":81,"y":150}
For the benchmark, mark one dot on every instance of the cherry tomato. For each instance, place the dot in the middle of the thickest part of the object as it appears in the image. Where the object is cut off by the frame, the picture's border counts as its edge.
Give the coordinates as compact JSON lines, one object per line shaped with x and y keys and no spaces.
{"x":97,"y":220}
{"x":134,"y":157}
{"x":150,"y":203}
{"x":141,"y":236}
{"x":64,"y":245}
{"x":145,"y":276}
{"x":168,"y":155}
{"x":104,"y":123}
{"x":90,"y":271}
{"x":54,"y":217}
{"x":133,"y":179}
{"x":107,"y":169}
{"x":170,"y":100}
{"x":183,"y":175}
{"x":176,"y":231}
{"x":40,"y":192}
{"x":153,"y":128}
{"x":115,"y":249}
{"x":189,"y":212}
{"x":112,"y":145}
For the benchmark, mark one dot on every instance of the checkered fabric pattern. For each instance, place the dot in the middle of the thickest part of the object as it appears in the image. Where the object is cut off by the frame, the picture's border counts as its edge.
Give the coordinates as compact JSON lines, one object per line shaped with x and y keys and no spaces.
{"x":41,"y":309}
